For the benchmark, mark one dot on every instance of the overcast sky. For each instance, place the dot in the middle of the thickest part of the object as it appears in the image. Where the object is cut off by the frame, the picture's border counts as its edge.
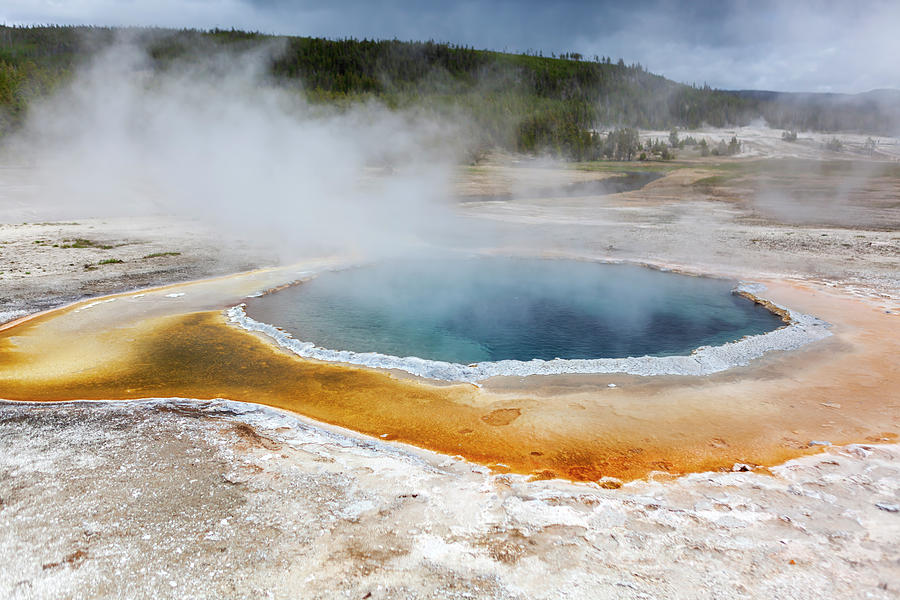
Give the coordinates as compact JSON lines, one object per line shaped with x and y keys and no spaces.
{"x":788,"y":45}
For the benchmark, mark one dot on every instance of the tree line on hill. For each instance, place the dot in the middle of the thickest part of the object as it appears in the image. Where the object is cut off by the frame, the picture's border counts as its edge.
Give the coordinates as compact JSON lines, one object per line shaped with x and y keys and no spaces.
{"x":518,"y":102}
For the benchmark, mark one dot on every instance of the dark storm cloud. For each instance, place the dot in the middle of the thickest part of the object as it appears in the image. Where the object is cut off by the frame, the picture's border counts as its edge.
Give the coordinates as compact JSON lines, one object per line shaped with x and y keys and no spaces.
{"x":824,"y":45}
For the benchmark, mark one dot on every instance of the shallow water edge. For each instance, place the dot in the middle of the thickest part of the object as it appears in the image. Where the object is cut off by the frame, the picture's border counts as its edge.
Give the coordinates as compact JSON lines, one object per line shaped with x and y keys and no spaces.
{"x":800,"y":329}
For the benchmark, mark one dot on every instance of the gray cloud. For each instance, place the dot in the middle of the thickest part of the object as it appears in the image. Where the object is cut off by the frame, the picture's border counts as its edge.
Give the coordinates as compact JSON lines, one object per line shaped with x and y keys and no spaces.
{"x":823,"y":45}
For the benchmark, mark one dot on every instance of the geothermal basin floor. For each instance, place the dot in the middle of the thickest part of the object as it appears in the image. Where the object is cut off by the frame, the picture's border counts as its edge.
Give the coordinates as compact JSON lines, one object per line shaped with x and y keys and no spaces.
{"x":176,"y":342}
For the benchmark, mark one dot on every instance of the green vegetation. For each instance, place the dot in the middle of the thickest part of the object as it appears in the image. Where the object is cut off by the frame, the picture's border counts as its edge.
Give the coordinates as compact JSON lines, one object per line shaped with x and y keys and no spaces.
{"x":791,"y":167}
{"x":726,"y":149}
{"x":83,"y":243}
{"x":608,"y":166}
{"x":834,"y":144}
{"x":673,"y":139}
{"x":159,"y":254}
{"x":567,"y":106}
{"x":712,"y":181}
{"x":870,"y":146}
{"x":110,"y":261}
{"x":659,"y":149}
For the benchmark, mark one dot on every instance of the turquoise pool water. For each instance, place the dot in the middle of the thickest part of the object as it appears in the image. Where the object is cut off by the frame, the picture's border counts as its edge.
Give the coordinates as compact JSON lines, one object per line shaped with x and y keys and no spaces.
{"x":489,"y":309}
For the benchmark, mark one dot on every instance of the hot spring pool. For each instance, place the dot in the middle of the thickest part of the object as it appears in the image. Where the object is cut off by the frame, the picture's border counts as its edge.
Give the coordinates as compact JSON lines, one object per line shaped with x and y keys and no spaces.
{"x":494,"y":309}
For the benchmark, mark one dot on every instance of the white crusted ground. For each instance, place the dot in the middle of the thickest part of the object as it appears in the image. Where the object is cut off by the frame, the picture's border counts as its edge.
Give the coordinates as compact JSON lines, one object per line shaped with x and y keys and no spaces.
{"x":172,"y":499}
{"x":11,"y":315}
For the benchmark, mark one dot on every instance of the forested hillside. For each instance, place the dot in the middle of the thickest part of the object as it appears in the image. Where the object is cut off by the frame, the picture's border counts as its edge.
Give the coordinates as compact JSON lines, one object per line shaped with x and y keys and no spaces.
{"x":518,"y":102}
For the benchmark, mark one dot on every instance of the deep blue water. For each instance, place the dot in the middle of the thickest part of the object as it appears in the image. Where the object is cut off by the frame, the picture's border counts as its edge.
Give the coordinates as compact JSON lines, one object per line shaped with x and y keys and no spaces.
{"x":487,"y":309}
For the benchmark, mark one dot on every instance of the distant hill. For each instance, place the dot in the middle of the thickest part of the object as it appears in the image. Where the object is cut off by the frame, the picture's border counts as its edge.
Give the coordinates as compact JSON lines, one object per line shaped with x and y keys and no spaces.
{"x":519,"y":102}
{"x":875,"y":112}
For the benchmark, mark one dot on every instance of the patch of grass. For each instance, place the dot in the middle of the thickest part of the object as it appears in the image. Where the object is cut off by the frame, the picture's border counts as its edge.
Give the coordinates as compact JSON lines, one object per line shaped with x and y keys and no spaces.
{"x":715,"y":180}
{"x":158,"y":254}
{"x":616,"y":166}
{"x":83,"y":243}
{"x":792,"y":167}
{"x":110,"y":261}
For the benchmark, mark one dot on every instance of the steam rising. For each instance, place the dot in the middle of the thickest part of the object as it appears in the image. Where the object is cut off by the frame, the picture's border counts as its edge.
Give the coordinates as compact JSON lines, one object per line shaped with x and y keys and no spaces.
{"x":217,"y":140}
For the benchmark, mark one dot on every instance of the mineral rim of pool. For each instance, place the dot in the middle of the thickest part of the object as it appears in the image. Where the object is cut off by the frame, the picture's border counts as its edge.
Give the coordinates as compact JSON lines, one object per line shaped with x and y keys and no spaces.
{"x":491,"y":309}
{"x":176,"y":342}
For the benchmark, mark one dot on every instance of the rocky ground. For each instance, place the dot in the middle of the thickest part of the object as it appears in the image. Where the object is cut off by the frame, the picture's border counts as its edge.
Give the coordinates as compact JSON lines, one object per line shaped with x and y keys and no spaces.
{"x":46,"y":264}
{"x":175,"y":499}
{"x":170,"y":499}
{"x":730,"y":227}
